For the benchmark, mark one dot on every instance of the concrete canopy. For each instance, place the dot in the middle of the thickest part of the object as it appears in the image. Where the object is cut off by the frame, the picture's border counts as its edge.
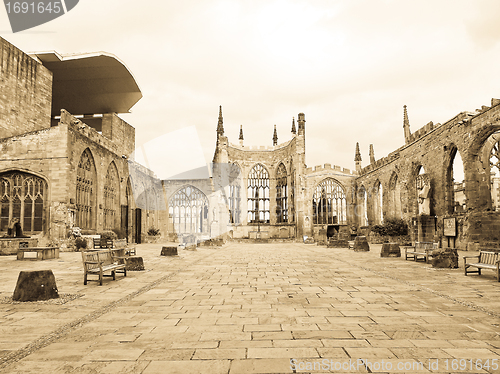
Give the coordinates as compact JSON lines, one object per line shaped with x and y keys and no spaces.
{"x":90,"y":83}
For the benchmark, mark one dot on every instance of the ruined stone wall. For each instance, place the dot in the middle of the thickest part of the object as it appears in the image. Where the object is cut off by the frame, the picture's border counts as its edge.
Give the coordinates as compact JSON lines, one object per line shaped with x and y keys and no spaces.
{"x":53,"y":154}
{"x":269,"y":157}
{"x":315,"y":176}
{"x":119,"y":132}
{"x":433,"y":148}
{"x":42,"y":153}
{"x":26,"y":92}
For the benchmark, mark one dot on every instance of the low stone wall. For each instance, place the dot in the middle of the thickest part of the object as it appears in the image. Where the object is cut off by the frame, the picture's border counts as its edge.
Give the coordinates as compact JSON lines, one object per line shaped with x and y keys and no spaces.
{"x":375,"y":238}
{"x":9,"y":246}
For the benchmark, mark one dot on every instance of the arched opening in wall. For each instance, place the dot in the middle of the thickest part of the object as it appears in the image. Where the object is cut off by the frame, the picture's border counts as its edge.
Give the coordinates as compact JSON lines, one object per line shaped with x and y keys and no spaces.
{"x":235,"y":194}
{"x":362,"y":211}
{"x":23,"y":199}
{"x":111,"y":198}
{"x":422,"y":188}
{"x":379,"y":214}
{"x":493,"y":144}
{"x":86,"y":190}
{"x":455,"y":185}
{"x":188,"y":209}
{"x":281,"y":195}
{"x":292,"y":197}
{"x":329,"y":203}
{"x":395,"y":197}
{"x":126,"y":214}
{"x":258,"y":195}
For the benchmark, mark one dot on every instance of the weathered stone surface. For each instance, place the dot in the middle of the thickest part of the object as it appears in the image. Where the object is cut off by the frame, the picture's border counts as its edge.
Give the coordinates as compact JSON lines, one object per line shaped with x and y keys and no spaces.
{"x":445,"y":258}
{"x":390,"y":250}
{"x":134,"y":263}
{"x":169,"y":251}
{"x":337,"y":243}
{"x":361,"y":244}
{"x":9,"y":246}
{"x":35,"y":285}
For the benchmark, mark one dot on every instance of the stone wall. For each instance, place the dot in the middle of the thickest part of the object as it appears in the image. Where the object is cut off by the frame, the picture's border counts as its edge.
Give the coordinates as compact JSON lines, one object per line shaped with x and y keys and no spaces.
{"x":433,"y":148}
{"x":26,"y":92}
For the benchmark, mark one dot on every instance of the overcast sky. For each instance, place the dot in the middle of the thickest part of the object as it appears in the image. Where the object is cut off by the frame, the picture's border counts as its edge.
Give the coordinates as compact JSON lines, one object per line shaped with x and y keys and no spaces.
{"x":349,"y":65}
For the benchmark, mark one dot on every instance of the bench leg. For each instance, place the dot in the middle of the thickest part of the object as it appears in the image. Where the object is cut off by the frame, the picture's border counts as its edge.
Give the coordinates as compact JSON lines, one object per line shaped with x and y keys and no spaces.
{"x":124,"y":272}
{"x":113,"y":273}
{"x":85,"y":279}
{"x":101,"y":275}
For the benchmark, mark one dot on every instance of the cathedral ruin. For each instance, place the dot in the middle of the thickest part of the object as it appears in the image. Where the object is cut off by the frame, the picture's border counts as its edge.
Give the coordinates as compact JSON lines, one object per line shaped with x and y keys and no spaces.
{"x":66,"y":160}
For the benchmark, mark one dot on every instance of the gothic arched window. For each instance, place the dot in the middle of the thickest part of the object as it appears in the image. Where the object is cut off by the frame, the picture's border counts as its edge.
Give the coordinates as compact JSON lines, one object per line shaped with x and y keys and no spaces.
{"x":362,"y":211}
{"x":111,"y":198}
{"x":281,"y":195}
{"x":22,"y":197}
{"x":329,"y":203}
{"x":188,"y":209}
{"x":379,"y":213}
{"x":86,"y":191}
{"x":258,"y":195}
{"x":395,"y":197}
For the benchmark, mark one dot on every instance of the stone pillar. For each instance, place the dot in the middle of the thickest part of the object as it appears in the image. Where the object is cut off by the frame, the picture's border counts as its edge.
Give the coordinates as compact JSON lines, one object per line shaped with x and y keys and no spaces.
{"x":426,"y":228}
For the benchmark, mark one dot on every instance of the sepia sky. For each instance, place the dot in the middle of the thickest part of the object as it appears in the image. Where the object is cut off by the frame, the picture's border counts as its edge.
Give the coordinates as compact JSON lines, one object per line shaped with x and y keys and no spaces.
{"x":349,"y":65}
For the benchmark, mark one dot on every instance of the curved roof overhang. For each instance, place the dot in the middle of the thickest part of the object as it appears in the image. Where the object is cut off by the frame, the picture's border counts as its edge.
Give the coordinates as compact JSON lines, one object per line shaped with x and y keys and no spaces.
{"x":90,"y":83}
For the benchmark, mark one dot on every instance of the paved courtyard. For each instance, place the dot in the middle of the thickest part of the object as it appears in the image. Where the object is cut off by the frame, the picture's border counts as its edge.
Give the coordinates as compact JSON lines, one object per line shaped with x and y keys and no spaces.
{"x":254,"y":308}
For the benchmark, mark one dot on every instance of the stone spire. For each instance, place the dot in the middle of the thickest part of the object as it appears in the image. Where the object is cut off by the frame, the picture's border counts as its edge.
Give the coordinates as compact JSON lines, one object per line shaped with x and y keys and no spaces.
{"x":275,"y":136}
{"x":293,"y":126}
{"x":241,"y":135}
{"x":357,"y":154}
{"x":357,"y":158}
{"x":372,"y":154}
{"x":406,"y":125}
{"x":220,"y":127}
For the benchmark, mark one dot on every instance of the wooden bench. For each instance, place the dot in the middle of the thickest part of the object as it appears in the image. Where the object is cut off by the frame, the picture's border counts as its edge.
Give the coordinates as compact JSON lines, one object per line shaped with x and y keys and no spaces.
{"x":102,"y":243}
{"x":42,"y":253}
{"x":421,"y":250}
{"x":485,"y":260}
{"x":99,"y":262}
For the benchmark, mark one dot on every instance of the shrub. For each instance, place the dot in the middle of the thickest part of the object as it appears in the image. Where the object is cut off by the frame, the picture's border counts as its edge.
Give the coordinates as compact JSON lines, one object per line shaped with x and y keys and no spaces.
{"x":108,"y":235}
{"x":153,"y":232}
{"x":120,"y":234}
{"x":391,"y":227}
{"x":80,"y":243}
{"x":88,"y":232}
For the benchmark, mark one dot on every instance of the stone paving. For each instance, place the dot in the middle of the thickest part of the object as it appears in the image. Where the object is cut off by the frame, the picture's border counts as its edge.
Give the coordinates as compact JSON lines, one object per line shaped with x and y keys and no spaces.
{"x":254,"y":308}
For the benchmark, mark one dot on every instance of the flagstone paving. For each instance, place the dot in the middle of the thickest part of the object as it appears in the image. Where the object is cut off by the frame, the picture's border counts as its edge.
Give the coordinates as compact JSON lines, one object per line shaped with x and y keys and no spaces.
{"x":254,"y":308}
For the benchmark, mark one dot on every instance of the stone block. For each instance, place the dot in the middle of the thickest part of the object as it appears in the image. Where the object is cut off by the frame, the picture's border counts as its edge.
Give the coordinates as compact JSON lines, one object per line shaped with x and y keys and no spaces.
{"x":337,"y":243}
{"x":169,"y":251}
{"x":35,"y":285}
{"x":134,"y":263}
{"x":390,"y":250}
{"x":361,"y":244}
{"x":445,"y":258}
